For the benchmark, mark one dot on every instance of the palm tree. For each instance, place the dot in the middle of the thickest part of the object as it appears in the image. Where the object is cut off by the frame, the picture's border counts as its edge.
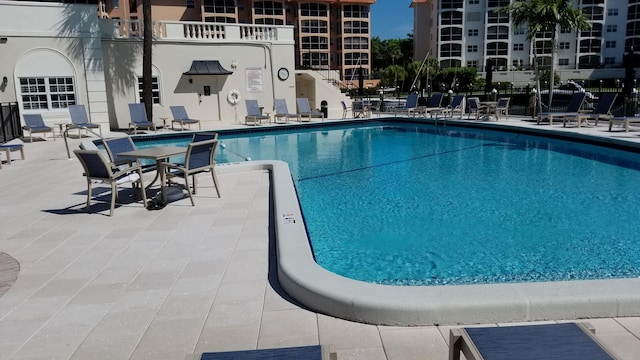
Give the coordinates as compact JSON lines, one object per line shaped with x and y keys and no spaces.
{"x":545,"y":16}
{"x":147,"y":76}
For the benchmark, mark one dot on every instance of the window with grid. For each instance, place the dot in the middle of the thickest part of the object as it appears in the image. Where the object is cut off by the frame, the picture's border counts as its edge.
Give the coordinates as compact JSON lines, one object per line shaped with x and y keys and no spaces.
{"x":268,"y":8}
{"x":47,"y":93}
{"x":356,"y":27}
{"x":594,"y":31}
{"x":609,"y":60}
{"x":497,"y":32}
{"x":564,"y":45}
{"x":472,"y":32}
{"x":356,"y":59}
{"x":314,"y":59}
{"x":497,"y":48}
{"x":451,"y":4}
{"x":313,"y":9}
{"x":518,"y":47}
{"x":269,"y":21}
{"x":356,"y":43}
{"x":450,"y":34}
{"x":219,"y":6}
{"x":353,"y":73}
{"x":356,"y":11}
{"x":451,"y":18}
{"x":472,"y":48}
{"x":497,"y":17}
{"x":612,"y":12}
{"x":563,"y":62}
{"x":450,"y":50}
{"x":314,"y":27}
{"x":590,"y":45}
{"x":593,"y":13}
{"x":472,"y":63}
{"x":610,"y":44}
{"x":518,"y":31}
{"x":612,"y":28}
{"x":471,"y":2}
{"x":315,"y":42}
{"x":155,"y":90}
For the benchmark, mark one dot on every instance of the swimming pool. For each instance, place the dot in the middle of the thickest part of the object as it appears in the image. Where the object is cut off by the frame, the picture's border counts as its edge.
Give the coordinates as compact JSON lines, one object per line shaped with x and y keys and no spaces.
{"x":413,"y":204}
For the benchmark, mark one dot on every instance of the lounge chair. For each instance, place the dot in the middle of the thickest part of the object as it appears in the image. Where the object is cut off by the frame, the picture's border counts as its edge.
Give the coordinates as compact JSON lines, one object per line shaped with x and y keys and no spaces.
{"x":97,"y":168}
{"x":282,"y":112}
{"x":457,"y":105}
{"x":198,"y":159}
{"x":9,"y":147}
{"x":602,"y":111}
{"x":410,"y":105}
{"x":568,"y":341}
{"x":345,"y":109}
{"x":434,"y":105}
{"x":575,"y":104}
{"x":180,"y":116}
{"x":314,"y":352}
{"x":304,"y":110}
{"x":80,"y":120}
{"x":34,"y":123}
{"x":139,"y":119}
{"x":502,"y":108}
{"x":623,"y":121}
{"x":254,"y":115}
{"x":476,"y":108}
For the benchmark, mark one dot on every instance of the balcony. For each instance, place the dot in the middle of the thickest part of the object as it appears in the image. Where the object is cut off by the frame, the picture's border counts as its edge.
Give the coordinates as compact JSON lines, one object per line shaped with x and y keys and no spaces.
{"x":196,"y":31}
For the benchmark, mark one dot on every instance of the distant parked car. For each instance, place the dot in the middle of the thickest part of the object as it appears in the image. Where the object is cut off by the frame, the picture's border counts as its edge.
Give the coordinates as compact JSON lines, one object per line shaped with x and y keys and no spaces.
{"x":568,"y":89}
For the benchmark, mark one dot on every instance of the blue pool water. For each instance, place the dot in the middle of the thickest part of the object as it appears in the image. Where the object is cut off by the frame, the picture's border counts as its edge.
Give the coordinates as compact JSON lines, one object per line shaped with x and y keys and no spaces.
{"x":410,"y":204}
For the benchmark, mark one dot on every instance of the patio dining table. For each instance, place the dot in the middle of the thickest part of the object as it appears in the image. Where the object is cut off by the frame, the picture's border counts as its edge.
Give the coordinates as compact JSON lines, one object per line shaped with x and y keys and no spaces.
{"x":159,"y":154}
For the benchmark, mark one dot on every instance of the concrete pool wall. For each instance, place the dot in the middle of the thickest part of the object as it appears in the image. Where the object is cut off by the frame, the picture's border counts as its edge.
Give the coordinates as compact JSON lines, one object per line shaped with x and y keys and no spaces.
{"x":331,"y":294}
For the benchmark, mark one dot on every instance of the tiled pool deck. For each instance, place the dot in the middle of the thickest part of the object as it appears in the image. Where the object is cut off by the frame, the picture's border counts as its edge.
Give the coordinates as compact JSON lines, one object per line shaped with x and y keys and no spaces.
{"x":174,"y":283}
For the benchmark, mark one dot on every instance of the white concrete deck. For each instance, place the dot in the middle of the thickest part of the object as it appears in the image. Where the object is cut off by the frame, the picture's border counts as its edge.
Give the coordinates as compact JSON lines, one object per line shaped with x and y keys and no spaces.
{"x":174,"y":283}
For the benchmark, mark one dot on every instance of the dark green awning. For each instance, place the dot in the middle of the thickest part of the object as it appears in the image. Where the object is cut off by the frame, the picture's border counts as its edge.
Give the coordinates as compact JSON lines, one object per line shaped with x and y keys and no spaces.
{"x":207,"y":67}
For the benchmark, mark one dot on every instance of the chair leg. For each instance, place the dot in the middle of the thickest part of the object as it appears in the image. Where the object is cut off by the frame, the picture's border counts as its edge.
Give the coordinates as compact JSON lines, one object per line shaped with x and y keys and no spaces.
{"x":186,"y":183}
{"x":195,"y":183}
{"x":114,"y":194}
{"x":215,"y":181}
{"x":88,"y":196}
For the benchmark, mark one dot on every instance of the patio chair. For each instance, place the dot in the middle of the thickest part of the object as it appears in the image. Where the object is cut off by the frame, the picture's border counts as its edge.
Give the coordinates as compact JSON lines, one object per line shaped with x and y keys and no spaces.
{"x":80,"y":120}
{"x":568,"y":341}
{"x":34,"y":123}
{"x":502,"y":108}
{"x":575,"y":104}
{"x":97,"y":168}
{"x":9,"y":147}
{"x":456,"y":106}
{"x":253,"y":113}
{"x":345,"y":109}
{"x":197,"y":137}
{"x":314,"y":352}
{"x":200,"y":158}
{"x":434,"y":104}
{"x":114,"y":146}
{"x":409,"y":106}
{"x":602,"y":111}
{"x":180,"y":116}
{"x":476,"y":108}
{"x":139,"y":119}
{"x":282,"y":112}
{"x":304,"y":110}
{"x":623,"y":121}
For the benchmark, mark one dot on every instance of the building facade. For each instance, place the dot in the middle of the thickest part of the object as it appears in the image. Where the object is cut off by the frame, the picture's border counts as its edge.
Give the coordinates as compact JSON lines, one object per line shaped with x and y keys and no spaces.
{"x":330,"y":35}
{"x":469,"y":32}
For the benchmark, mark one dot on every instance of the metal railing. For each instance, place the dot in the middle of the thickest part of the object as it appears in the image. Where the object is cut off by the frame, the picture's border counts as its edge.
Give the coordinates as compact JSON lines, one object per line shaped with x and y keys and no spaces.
{"x":10,"y":127}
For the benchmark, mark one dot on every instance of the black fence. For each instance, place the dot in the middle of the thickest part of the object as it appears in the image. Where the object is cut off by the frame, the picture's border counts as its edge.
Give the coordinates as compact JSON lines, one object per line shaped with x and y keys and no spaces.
{"x":10,"y":122}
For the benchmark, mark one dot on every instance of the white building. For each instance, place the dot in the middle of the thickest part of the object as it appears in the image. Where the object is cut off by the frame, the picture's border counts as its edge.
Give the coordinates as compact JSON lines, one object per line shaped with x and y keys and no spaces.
{"x":469,"y":32}
{"x":55,"y":54}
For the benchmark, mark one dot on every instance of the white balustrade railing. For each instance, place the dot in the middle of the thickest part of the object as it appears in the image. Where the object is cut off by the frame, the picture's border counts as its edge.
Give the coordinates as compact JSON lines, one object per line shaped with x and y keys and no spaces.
{"x":197,"y":31}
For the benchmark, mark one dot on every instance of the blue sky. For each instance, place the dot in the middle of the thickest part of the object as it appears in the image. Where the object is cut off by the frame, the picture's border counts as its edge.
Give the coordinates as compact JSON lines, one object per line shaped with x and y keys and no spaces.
{"x":391,"y":19}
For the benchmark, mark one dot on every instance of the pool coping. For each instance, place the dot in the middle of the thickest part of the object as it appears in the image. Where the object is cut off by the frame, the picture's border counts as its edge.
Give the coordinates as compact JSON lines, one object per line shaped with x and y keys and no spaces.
{"x":331,"y":294}
{"x":328,"y":293}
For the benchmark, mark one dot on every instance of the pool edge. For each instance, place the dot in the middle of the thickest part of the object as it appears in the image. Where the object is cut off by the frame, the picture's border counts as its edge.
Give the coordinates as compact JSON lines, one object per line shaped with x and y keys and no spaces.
{"x":318,"y":289}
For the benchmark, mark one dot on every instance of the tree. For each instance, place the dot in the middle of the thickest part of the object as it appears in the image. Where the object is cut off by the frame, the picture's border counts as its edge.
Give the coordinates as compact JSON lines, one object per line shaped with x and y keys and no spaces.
{"x":546,"y":16}
{"x":147,"y":42}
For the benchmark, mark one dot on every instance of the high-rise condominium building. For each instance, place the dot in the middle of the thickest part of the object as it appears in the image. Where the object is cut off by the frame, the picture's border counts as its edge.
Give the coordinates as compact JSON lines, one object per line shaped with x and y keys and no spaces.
{"x":469,"y":32}
{"x":329,"y":34}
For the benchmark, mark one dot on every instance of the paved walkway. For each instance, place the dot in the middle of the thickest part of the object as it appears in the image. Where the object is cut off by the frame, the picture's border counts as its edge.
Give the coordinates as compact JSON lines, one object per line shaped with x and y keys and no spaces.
{"x":174,"y":283}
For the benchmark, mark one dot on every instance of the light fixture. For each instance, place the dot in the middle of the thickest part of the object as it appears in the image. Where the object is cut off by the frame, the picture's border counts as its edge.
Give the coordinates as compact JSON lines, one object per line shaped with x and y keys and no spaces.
{"x":3,"y":40}
{"x":234,"y":64}
{"x":5,"y":80}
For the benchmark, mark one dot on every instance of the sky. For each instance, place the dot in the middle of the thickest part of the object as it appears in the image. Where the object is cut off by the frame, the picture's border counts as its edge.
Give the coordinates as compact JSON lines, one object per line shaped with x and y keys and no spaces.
{"x":391,"y":19}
